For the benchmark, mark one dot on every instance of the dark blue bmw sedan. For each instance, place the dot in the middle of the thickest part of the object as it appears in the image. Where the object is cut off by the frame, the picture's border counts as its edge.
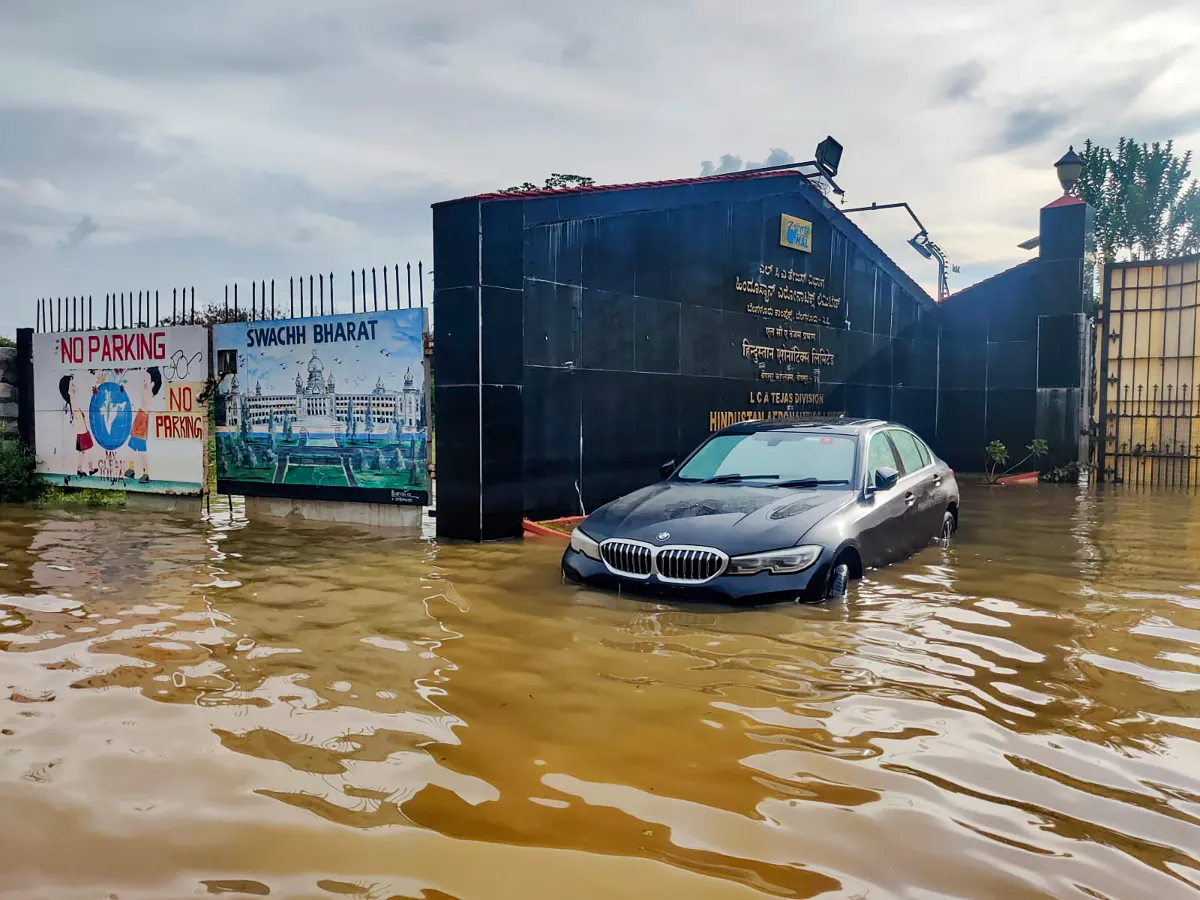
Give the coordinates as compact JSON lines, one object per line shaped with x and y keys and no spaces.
{"x":782,"y":510}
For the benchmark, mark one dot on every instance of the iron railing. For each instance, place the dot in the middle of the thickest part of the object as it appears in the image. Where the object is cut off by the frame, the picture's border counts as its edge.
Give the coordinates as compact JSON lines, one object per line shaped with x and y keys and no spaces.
{"x":306,"y":295}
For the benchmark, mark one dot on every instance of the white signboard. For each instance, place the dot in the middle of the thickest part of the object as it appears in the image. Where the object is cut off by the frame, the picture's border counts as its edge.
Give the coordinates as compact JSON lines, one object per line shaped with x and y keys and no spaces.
{"x":121,"y":410}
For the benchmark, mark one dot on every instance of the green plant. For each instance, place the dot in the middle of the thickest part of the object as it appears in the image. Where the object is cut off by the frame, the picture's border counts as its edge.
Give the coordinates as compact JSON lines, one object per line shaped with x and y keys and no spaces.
{"x":997,"y":455}
{"x":1037,"y":449}
{"x":1068,"y":474}
{"x":7,"y":341}
{"x":1147,"y":204}
{"x":555,"y":182}
{"x":19,"y":482}
{"x":53,"y":495}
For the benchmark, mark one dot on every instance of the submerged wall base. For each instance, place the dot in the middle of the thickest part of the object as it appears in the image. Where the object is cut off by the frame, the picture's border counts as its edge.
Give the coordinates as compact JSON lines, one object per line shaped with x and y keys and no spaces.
{"x":179,"y":503}
{"x":375,"y":515}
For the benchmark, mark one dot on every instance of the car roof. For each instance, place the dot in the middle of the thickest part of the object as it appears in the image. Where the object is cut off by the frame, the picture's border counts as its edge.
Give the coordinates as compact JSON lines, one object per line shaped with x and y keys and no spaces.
{"x":818,"y":424}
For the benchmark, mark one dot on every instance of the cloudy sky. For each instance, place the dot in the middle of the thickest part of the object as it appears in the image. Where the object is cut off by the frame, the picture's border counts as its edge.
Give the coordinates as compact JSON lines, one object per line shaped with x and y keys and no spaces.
{"x":146,"y":144}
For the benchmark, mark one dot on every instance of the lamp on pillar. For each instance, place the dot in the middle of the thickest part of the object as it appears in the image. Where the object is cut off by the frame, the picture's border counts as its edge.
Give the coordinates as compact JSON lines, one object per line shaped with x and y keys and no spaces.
{"x":1069,"y":168}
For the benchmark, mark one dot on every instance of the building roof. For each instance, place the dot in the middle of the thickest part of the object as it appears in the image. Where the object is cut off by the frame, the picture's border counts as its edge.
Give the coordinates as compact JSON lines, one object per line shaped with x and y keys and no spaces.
{"x":989,"y":279}
{"x":1064,"y":200}
{"x":837,"y":219}
{"x":636,"y":185}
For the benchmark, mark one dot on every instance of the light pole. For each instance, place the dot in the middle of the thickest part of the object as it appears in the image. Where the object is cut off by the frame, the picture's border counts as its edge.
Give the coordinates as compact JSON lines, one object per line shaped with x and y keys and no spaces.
{"x":921,"y":242}
{"x":924,"y":245}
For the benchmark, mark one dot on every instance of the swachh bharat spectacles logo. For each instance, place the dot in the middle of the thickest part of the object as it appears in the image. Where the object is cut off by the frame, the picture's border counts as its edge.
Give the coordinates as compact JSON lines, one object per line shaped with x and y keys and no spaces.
{"x":110,"y":415}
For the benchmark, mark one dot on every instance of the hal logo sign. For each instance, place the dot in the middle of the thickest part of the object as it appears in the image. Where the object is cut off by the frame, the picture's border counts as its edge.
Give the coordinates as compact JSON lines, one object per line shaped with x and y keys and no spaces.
{"x":795,"y":233}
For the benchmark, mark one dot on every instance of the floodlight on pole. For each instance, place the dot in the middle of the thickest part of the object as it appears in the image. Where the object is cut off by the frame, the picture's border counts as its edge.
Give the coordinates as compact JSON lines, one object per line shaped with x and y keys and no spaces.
{"x":829,"y":156}
{"x":920,"y":242}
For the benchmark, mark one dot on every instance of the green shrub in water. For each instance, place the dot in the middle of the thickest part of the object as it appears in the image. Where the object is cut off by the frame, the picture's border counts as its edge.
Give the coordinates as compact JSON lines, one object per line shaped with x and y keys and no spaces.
{"x":53,"y":496}
{"x":19,"y":482}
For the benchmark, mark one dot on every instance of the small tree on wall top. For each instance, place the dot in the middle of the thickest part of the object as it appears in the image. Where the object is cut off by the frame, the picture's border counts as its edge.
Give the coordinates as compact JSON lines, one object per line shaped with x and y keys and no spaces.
{"x":212,"y":314}
{"x":556,"y":182}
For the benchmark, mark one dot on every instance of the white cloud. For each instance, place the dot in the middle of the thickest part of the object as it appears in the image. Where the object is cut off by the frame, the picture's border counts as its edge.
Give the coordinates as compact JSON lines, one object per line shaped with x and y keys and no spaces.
{"x":232,"y":140}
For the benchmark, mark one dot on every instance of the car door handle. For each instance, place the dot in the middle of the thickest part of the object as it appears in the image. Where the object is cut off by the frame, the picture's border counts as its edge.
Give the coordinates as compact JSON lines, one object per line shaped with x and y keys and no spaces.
{"x":937,"y":480}
{"x":910,"y":498}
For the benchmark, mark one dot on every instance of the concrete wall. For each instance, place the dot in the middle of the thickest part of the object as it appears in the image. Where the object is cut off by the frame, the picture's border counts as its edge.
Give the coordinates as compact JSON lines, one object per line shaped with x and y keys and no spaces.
{"x":8,"y":392}
{"x":1015,"y":350}
{"x":586,"y":337}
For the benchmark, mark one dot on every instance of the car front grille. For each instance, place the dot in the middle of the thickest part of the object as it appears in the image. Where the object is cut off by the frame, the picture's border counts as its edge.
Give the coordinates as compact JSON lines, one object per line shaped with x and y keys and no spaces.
{"x":676,"y":565}
{"x":628,"y":558}
{"x":688,"y":565}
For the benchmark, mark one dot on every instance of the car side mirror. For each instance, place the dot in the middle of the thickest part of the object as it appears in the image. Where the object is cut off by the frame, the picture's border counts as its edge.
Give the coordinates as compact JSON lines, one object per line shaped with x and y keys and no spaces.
{"x":667,"y":469}
{"x":886,"y":478}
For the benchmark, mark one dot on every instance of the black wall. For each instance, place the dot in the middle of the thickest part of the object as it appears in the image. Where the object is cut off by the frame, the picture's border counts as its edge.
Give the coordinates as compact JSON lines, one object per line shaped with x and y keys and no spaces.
{"x":24,"y":380}
{"x":583,"y":338}
{"x":1015,"y":350}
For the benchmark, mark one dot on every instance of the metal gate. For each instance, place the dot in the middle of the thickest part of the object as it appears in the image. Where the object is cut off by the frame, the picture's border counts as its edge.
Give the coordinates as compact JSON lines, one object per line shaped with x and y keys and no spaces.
{"x":1149,"y":378}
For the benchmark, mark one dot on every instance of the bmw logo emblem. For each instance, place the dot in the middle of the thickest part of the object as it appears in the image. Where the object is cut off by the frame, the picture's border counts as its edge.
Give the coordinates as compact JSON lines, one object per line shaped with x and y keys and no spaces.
{"x":664,"y":536}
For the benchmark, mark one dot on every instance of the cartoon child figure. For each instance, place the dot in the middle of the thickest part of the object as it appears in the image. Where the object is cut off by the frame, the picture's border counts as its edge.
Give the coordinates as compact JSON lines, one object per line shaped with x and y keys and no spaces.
{"x":83,"y":437}
{"x":150,"y":385}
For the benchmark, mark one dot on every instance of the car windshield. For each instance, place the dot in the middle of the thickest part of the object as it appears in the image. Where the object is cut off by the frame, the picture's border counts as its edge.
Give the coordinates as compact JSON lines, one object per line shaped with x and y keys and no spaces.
{"x":772,"y":456}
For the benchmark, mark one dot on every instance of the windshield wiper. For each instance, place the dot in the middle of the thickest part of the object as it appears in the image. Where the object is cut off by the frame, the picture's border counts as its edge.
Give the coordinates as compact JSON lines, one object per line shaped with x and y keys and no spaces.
{"x":733,"y":476}
{"x":810,"y":482}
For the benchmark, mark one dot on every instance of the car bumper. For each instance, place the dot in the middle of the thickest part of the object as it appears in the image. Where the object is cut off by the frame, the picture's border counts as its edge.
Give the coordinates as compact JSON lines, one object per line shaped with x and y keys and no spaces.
{"x":764,"y":587}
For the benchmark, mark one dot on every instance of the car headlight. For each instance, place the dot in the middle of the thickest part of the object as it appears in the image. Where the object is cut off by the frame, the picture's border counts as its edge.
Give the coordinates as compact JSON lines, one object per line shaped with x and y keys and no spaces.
{"x":777,"y":562}
{"x":581,"y":543}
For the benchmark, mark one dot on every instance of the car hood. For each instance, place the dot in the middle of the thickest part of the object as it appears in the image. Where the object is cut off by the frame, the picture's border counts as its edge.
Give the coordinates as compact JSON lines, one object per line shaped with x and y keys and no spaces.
{"x":736,"y":518}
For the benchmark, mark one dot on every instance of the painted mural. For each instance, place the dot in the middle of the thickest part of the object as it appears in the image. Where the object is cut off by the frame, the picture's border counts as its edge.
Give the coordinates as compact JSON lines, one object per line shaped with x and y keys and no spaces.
{"x":122,"y":410}
{"x":323,"y":408}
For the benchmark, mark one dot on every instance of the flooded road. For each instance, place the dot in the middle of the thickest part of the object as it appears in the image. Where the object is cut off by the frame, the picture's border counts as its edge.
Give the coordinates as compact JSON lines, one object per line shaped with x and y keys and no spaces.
{"x":221,"y":708}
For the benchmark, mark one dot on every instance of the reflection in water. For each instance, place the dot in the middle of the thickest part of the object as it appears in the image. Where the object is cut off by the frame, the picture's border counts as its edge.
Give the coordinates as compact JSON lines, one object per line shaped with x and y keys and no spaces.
{"x":252,"y":710}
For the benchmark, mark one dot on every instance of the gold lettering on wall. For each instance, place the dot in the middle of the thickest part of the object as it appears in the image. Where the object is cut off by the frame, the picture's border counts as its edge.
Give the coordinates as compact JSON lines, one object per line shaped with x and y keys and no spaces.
{"x":772,"y":271}
{"x":719,"y":419}
{"x":795,"y":355}
{"x":789,"y":333}
{"x":793,"y":299}
{"x":788,"y":314}
{"x":754,"y":352}
{"x":772,"y":292}
{"x":798,"y":377}
{"x":785,"y":398}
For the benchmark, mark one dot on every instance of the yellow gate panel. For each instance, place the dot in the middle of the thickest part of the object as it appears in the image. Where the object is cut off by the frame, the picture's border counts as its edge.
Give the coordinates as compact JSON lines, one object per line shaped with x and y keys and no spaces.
{"x":1147,"y":370}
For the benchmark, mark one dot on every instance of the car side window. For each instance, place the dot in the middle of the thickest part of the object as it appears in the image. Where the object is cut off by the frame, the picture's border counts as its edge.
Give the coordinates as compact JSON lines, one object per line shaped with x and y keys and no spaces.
{"x":926,"y":456}
{"x":880,"y":456}
{"x":906,"y":446}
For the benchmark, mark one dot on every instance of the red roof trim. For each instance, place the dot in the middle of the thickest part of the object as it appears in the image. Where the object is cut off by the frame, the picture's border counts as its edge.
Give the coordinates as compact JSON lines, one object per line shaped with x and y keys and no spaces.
{"x":1065,"y":200}
{"x":837,"y":219}
{"x":971,"y":287}
{"x":705,"y":179}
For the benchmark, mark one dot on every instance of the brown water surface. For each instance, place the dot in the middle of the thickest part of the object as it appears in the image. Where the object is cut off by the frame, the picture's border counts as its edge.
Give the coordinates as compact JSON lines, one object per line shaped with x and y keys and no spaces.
{"x":246,"y":709}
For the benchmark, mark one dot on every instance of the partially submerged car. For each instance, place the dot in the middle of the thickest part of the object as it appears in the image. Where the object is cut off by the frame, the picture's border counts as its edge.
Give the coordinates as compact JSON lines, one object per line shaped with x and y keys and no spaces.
{"x":779,"y":510}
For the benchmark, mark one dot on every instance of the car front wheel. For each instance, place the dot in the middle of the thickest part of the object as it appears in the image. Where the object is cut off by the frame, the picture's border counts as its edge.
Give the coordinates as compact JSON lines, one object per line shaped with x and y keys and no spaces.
{"x":839,"y":580}
{"x":949,"y":526}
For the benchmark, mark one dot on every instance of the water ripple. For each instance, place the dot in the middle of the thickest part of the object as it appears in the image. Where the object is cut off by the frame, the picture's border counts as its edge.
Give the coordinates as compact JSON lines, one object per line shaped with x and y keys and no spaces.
{"x":1014,"y":716}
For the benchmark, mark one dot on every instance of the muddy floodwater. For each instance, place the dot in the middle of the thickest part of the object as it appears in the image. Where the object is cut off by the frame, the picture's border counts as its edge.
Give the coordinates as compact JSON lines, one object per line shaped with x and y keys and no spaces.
{"x":248,"y":709}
